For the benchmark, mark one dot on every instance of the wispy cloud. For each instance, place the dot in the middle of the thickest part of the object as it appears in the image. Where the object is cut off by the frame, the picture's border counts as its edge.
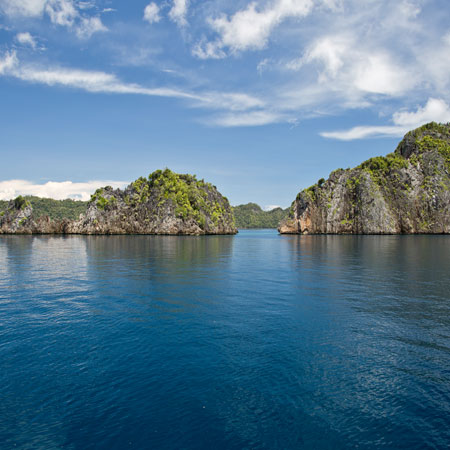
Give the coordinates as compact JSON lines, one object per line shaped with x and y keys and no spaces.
{"x":436,"y":110}
{"x":102,"y":82}
{"x":246,"y":119}
{"x":55,"y":189}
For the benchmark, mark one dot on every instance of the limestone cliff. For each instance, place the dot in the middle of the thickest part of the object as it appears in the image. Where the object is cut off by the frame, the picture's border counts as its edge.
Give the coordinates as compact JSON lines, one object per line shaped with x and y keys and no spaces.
{"x":163,"y":203}
{"x":407,"y":191}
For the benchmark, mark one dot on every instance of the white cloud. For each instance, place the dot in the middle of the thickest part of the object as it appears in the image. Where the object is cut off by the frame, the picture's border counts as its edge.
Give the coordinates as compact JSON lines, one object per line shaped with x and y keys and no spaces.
{"x":29,"y":8}
{"x":208,"y":50}
{"x":436,"y":110}
{"x":178,"y":12}
{"x":26,"y":39}
{"x":86,"y":5}
{"x":250,"y":108}
{"x":378,"y":75}
{"x":250,"y":28}
{"x":151,"y":13}
{"x":247,"y":119}
{"x":54,"y":189}
{"x":88,"y":26}
{"x":271,"y":207}
{"x":233,"y":101}
{"x":61,"y":12}
{"x":347,"y":65}
{"x":363,"y":132}
{"x":92,"y":82}
{"x":8,"y":62}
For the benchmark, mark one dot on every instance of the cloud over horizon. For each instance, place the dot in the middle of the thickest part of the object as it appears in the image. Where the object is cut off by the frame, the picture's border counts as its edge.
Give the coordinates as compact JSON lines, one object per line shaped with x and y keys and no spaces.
{"x":58,"y":190}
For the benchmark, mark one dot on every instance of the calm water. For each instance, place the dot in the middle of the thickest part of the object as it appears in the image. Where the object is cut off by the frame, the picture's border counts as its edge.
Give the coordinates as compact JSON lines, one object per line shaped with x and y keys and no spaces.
{"x":254,"y":341}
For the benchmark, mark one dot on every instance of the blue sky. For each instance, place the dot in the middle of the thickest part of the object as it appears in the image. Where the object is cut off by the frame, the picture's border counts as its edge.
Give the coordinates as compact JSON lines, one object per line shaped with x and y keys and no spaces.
{"x":261,"y":98}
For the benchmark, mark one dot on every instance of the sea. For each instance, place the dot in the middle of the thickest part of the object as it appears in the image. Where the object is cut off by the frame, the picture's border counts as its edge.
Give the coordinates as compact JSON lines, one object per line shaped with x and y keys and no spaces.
{"x":253,"y":341}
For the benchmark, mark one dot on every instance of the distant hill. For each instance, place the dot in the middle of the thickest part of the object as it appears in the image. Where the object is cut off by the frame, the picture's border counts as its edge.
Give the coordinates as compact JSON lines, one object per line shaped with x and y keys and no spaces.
{"x":55,"y":209}
{"x":252,"y":215}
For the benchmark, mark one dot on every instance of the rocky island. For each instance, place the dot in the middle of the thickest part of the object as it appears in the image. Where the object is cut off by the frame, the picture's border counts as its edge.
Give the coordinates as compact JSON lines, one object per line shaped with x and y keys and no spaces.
{"x":405,"y":192}
{"x":164,"y":203}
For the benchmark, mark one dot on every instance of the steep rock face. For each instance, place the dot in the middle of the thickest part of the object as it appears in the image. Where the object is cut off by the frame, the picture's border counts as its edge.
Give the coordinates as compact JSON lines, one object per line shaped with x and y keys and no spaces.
{"x":407,"y":191}
{"x":16,"y":218}
{"x":163,"y":203}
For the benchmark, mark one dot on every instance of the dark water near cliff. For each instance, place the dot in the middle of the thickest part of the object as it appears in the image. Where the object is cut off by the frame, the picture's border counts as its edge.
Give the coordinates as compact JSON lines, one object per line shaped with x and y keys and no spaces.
{"x":253,"y":341}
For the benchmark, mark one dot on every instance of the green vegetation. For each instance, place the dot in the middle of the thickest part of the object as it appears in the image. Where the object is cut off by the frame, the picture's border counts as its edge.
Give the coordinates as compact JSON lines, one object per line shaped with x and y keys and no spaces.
{"x":436,"y":128}
{"x":21,"y":202}
{"x":252,"y":216}
{"x":101,"y":201}
{"x":192,"y":198}
{"x":426,"y":143}
{"x":381,"y":167}
{"x":55,"y":209}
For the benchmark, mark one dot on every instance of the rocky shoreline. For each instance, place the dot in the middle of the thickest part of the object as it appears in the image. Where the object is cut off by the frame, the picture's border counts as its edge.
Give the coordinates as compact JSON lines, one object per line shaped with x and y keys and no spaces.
{"x":164,"y":203}
{"x":405,"y":192}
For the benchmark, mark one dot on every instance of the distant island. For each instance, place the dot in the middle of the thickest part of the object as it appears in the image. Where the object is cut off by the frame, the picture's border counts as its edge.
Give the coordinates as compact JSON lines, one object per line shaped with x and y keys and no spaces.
{"x":253,"y":216}
{"x":54,"y":209}
{"x":405,"y":192}
{"x":163,"y":203}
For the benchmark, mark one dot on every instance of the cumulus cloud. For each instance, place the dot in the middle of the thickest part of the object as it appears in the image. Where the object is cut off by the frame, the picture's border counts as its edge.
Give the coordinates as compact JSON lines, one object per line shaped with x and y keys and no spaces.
{"x":349,"y":65}
{"x":26,"y":39}
{"x":435,"y":110}
{"x":178,"y":12}
{"x":250,"y":28}
{"x":151,"y":13}
{"x":53,"y":189}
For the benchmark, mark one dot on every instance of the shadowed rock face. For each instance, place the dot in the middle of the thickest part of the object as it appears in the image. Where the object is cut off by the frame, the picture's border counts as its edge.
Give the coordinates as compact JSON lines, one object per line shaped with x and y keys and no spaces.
{"x":163,"y":203}
{"x":407,"y":191}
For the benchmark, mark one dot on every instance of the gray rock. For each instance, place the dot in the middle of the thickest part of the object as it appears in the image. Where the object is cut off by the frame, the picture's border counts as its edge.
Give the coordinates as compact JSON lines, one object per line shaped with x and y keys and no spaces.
{"x":407,"y":191}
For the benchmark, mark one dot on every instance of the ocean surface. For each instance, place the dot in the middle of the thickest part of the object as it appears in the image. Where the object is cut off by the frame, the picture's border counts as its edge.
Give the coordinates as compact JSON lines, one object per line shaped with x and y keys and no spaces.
{"x":254,"y":341}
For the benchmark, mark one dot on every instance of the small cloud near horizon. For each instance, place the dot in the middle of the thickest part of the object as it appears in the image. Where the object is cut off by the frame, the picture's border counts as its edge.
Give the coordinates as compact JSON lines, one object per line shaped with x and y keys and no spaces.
{"x":57,"y":190}
{"x":271,"y":207}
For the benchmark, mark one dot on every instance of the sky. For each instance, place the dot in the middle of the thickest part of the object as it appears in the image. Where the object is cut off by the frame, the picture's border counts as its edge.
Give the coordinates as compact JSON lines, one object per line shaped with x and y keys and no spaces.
{"x":261,"y":98}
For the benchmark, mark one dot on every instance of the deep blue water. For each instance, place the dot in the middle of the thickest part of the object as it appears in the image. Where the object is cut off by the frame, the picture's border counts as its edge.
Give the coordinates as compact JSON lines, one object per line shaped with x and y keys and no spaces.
{"x":246,"y":342}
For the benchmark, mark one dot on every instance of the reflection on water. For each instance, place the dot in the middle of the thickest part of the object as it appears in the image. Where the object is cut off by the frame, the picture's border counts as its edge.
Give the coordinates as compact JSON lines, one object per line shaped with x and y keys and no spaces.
{"x":248,"y":341}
